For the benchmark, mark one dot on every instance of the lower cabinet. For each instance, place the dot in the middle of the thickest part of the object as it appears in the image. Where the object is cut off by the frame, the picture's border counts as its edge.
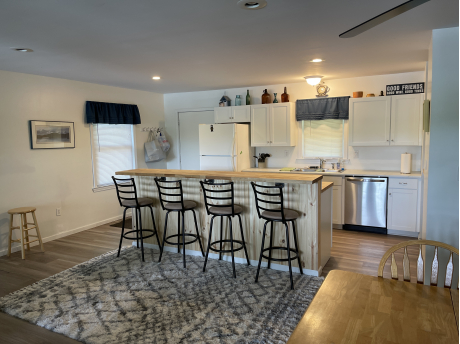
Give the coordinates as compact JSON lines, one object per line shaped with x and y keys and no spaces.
{"x":402,"y":210}
{"x":337,"y":196}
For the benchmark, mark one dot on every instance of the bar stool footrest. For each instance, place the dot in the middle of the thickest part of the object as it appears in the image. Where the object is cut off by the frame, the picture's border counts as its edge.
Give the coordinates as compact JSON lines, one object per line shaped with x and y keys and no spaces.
{"x":224,"y":241}
{"x":279,"y":248}
{"x":143,"y":232}
{"x":180,"y":236}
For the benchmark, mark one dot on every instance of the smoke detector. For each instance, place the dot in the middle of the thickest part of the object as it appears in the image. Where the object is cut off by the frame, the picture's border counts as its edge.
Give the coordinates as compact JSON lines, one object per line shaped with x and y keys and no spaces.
{"x":252,"y":5}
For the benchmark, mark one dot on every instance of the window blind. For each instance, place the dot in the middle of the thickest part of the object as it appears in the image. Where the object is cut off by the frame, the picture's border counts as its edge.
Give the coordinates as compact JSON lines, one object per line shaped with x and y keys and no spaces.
{"x":112,"y":146}
{"x":323,"y":138}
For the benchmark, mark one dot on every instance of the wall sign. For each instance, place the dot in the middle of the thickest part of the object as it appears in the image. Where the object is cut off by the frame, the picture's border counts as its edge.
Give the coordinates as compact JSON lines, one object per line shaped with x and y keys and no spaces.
{"x":417,"y":87}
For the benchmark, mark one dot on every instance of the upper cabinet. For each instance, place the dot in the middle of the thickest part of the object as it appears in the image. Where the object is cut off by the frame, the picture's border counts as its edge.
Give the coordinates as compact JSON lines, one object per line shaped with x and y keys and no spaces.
{"x":273,"y":125}
{"x":386,"y":121}
{"x":232,"y":114}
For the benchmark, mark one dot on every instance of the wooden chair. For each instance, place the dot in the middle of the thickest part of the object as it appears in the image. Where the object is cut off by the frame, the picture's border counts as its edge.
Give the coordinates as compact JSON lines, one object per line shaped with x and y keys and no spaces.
{"x":420,"y":262}
{"x":25,"y":241}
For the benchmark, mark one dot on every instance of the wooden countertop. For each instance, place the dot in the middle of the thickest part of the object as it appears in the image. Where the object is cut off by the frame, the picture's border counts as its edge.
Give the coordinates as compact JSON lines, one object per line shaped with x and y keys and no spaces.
{"x":355,"y":308}
{"x":224,"y":175}
{"x":326,"y":185}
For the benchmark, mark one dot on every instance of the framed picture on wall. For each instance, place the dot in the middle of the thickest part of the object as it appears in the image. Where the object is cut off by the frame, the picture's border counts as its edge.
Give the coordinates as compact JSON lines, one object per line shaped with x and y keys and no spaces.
{"x":52,"y":135}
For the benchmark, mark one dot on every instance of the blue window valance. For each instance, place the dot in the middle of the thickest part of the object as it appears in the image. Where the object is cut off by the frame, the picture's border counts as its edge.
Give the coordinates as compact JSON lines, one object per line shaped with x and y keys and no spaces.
{"x":112,"y":113}
{"x":324,"y":108}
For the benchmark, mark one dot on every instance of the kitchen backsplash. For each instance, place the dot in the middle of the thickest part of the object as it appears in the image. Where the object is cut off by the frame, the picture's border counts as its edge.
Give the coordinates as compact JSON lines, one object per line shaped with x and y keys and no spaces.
{"x":369,"y":158}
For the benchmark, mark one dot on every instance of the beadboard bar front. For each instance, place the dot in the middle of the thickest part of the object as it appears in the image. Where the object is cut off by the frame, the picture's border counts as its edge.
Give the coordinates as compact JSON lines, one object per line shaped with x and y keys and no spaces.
{"x":301,"y":193}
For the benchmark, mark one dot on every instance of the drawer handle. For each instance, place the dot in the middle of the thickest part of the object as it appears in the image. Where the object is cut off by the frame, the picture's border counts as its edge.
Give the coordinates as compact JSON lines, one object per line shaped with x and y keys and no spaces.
{"x":402,"y":183}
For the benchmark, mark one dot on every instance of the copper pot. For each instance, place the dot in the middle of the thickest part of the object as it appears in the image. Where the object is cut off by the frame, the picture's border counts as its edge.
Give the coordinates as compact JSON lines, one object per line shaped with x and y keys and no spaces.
{"x":358,"y":94}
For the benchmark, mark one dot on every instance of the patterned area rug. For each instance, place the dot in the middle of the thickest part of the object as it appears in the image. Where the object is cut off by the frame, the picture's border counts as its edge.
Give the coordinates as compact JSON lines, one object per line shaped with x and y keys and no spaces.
{"x":121,"y":300}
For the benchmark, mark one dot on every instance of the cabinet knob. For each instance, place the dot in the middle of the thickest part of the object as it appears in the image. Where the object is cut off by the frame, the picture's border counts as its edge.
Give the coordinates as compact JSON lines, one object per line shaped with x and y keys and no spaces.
{"x":389,"y":194}
{"x":392,"y":140}
{"x":388,"y":140}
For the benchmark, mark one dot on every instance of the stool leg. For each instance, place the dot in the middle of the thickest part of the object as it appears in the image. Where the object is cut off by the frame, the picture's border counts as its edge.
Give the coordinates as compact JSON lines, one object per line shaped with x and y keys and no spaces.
{"x":261,"y":250}
{"x":26,"y":233}
{"x":164,"y":236}
{"x":183,"y":236}
{"x":155,"y":228}
{"x":22,"y":238}
{"x":231,"y":247}
{"x":271,"y":244}
{"x":178,"y":232}
{"x":209,"y":244}
{"x":122,"y":232}
{"x":137,"y":228}
{"x":11,"y":235}
{"x":242,"y":239}
{"x":198,"y":233}
{"x":296,"y":247}
{"x":38,"y":231}
{"x":141,"y":236}
{"x":289,"y":255}
{"x":221,"y":235}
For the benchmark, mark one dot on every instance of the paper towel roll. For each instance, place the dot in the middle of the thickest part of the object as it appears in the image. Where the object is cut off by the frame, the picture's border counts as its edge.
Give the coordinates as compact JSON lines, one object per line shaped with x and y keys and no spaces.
{"x":406,"y":163}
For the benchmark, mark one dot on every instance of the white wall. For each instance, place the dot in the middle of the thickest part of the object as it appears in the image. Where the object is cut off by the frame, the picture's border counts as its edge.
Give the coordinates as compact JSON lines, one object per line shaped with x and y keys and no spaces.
{"x":442,"y":218}
{"x":370,"y":158}
{"x":52,"y":178}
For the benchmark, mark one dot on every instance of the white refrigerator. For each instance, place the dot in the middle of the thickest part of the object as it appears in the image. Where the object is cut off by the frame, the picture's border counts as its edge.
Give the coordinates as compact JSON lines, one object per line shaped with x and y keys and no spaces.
{"x":225,"y":147}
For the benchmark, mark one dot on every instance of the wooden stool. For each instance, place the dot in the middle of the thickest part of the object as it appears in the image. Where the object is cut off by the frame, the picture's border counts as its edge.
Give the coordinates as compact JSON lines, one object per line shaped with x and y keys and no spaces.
{"x":24,"y":229}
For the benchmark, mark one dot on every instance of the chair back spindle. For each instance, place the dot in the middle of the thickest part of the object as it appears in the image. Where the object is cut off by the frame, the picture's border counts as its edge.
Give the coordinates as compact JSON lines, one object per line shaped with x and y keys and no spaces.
{"x":420,"y":262}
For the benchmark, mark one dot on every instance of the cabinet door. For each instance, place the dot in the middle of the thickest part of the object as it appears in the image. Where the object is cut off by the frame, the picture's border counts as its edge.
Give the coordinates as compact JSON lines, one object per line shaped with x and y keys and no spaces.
{"x":223,"y":114}
{"x":337,"y":205}
{"x":241,"y":114}
{"x":402,"y":210}
{"x":260,"y":125}
{"x":406,"y":120}
{"x":280,"y":124}
{"x":370,"y":121}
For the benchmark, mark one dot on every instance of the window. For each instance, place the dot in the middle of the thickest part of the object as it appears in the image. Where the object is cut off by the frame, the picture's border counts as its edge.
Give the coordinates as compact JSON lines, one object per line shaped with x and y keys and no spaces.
{"x":113,"y":150}
{"x":323,"y":138}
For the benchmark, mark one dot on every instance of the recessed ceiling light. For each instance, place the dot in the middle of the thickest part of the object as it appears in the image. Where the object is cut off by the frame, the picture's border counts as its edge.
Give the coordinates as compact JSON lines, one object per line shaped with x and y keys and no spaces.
{"x":252,"y":5}
{"x":316,"y":60}
{"x":23,"y":50}
{"x":156,"y":78}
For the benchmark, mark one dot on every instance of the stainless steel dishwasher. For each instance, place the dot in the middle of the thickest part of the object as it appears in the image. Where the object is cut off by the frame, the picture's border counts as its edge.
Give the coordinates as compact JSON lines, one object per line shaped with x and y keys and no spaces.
{"x":366,"y":204}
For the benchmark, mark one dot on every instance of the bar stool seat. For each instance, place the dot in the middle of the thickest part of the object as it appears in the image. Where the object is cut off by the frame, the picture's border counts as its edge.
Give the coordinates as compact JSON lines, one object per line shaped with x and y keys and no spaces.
{"x":289,"y":215}
{"x":225,"y":210}
{"x":143,"y":202}
{"x":25,"y":228}
{"x":178,"y":206}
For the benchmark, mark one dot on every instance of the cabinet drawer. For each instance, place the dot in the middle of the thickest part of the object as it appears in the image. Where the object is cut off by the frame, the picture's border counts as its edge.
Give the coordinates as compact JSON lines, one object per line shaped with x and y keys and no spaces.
{"x":403,"y":183}
{"x":336,"y":180}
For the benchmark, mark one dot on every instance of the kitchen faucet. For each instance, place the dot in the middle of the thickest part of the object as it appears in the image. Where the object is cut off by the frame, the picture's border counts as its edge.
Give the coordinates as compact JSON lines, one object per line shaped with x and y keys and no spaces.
{"x":321,"y":162}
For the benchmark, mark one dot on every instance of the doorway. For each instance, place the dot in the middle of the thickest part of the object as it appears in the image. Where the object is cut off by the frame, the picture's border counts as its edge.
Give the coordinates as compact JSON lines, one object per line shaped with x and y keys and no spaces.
{"x":189,"y":146}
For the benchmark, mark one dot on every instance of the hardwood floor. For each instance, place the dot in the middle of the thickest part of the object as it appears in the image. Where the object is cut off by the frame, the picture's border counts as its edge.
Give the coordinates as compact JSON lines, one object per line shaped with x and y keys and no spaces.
{"x":351,"y":251}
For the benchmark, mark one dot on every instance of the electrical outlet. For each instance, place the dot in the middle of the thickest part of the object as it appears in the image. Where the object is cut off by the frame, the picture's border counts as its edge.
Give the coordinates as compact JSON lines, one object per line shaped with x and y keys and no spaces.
{"x":356,"y":155}
{"x":58,"y":211}
{"x":286,"y":153}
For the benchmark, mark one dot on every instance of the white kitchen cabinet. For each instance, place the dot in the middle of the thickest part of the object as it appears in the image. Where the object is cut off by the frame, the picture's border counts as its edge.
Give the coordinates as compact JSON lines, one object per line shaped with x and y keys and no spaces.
{"x":232,"y":114}
{"x":402,"y":205}
{"x":337,"y":196}
{"x":406,"y":120}
{"x":386,"y":121}
{"x":273,"y":125}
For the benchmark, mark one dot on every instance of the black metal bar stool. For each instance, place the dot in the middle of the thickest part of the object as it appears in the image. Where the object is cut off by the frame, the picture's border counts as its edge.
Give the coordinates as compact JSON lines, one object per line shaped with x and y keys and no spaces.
{"x":223,"y":210}
{"x":127,"y":196}
{"x":276,"y":215}
{"x":181,"y":207}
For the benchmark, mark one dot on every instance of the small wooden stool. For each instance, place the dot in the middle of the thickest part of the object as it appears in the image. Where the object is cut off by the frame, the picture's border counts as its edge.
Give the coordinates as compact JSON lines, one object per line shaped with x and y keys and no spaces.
{"x":24,"y":229}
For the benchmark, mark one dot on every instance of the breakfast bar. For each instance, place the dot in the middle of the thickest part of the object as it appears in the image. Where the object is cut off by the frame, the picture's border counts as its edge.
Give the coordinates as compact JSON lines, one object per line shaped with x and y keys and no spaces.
{"x":301,"y":193}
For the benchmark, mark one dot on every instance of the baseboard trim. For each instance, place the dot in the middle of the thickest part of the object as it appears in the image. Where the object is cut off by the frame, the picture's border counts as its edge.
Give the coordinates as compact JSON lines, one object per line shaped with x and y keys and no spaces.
{"x":403,"y":233}
{"x":17,"y":246}
{"x":238,"y":260}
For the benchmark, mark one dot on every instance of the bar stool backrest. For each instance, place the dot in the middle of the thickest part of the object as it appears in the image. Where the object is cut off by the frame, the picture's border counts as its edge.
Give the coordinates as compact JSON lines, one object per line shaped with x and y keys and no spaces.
{"x":210,"y":188}
{"x":170,"y":188}
{"x":274,"y":198}
{"x":126,"y":189}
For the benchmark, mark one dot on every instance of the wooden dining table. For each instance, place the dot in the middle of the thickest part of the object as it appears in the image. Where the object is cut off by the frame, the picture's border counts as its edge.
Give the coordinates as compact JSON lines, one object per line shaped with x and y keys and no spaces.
{"x":354,"y":308}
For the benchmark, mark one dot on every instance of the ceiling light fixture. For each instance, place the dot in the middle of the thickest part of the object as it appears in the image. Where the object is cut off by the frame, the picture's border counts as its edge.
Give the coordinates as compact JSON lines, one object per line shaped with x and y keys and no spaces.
{"x":156,"y":78}
{"x":23,"y":50}
{"x":313,"y":79}
{"x":252,"y":5}
{"x":316,"y":60}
